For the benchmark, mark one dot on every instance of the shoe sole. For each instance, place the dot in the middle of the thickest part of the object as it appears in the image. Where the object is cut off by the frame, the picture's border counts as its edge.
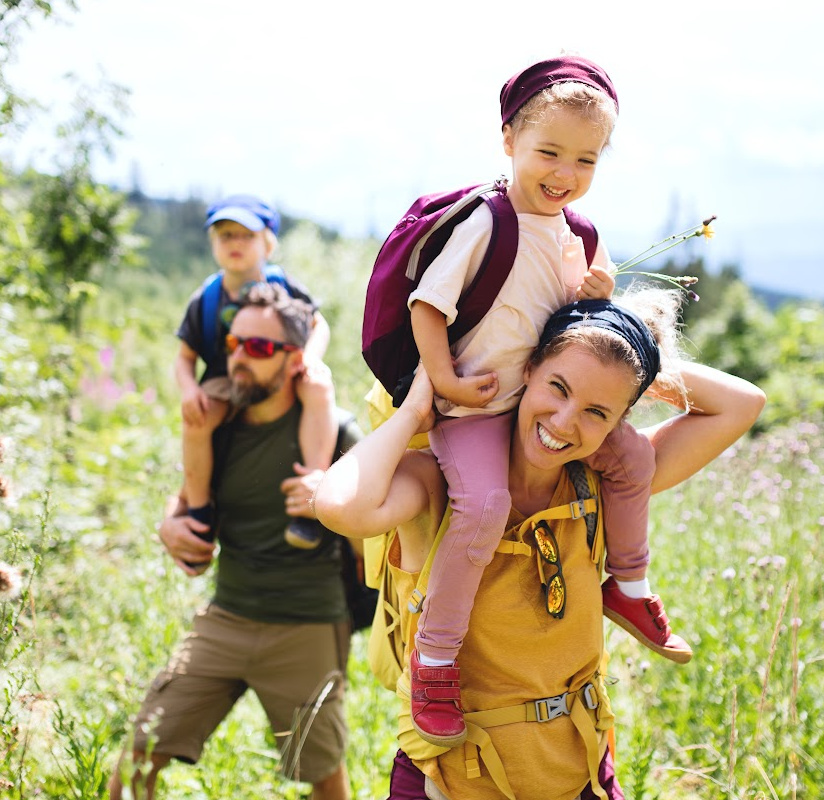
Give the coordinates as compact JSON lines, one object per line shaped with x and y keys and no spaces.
{"x":441,"y":741}
{"x":678,"y":656}
{"x":301,"y":544}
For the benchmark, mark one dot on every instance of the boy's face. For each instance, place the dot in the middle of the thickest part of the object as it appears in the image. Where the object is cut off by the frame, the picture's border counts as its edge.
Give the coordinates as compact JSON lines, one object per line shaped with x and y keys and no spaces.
{"x":237,"y":249}
{"x":553,"y":161}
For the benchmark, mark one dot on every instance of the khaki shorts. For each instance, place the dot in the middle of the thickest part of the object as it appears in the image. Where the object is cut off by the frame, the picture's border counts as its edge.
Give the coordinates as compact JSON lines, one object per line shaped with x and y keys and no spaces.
{"x":287,"y":666}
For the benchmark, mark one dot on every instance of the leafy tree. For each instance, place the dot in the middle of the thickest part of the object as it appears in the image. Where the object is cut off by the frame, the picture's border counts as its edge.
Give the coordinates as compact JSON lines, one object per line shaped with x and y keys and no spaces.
{"x":15,"y":15}
{"x":79,"y":227}
{"x":739,"y":336}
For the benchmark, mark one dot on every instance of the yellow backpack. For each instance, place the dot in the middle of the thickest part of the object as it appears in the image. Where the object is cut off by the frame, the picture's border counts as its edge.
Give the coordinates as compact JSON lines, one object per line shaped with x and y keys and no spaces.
{"x":388,"y":637}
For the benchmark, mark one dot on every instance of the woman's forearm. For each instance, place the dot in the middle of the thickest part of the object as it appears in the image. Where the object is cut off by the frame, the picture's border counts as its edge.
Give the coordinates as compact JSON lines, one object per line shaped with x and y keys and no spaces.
{"x":368,"y":490}
{"x":722,"y":408}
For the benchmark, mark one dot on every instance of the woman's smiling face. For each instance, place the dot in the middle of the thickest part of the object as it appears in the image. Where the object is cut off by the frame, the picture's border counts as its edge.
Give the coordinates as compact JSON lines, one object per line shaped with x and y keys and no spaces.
{"x":572,"y":401}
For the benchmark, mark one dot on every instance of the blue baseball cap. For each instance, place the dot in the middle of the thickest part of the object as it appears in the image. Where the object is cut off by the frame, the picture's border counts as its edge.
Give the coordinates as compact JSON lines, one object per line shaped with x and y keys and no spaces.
{"x":246,"y":210}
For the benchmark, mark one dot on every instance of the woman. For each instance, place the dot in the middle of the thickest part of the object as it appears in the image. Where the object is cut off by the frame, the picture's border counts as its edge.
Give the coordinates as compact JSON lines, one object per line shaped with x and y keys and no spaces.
{"x":534,"y":651}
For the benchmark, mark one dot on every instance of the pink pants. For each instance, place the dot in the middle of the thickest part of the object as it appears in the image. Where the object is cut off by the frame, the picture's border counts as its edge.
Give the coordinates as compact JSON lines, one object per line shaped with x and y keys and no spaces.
{"x":473,"y":453}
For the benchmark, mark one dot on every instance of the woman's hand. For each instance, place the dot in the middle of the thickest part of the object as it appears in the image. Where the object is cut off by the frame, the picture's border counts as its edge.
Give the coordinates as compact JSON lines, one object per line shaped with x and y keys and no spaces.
{"x":419,"y":400}
{"x":374,"y":487}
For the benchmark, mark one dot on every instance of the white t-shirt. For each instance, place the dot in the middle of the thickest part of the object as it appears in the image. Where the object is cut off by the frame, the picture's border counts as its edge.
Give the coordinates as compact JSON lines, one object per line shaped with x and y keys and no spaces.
{"x":549,"y":265}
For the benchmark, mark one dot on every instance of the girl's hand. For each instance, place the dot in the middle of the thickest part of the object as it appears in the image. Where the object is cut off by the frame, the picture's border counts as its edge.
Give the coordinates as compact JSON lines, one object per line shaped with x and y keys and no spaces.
{"x":473,"y":391}
{"x":598,"y":284}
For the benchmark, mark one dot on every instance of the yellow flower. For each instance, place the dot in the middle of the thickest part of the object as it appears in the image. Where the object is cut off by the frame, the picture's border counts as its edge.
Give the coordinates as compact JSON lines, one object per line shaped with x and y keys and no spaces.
{"x":706,"y":227}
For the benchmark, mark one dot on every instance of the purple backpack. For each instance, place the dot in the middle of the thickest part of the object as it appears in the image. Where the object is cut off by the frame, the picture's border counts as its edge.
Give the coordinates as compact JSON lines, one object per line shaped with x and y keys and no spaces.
{"x":387,"y":341}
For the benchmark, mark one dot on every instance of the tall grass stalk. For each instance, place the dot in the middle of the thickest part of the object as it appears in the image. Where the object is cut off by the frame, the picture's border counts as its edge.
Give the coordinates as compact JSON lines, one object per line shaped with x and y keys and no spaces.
{"x":768,"y":667}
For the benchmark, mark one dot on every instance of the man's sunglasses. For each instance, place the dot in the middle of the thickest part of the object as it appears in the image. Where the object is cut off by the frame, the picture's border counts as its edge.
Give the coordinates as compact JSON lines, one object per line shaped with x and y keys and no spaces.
{"x":256,"y":346}
{"x":554,"y":585}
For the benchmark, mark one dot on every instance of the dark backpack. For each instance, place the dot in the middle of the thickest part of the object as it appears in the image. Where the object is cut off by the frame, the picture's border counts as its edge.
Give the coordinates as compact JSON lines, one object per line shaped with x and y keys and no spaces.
{"x":210,"y":300}
{"x":387,"y":342}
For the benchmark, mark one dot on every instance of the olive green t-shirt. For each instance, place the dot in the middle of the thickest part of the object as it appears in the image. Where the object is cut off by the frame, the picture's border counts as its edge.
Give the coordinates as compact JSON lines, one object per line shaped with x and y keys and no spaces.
{"x":259,"y":575}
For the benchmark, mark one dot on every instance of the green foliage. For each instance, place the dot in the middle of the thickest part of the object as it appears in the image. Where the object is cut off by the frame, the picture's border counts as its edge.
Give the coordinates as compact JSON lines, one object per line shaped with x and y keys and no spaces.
{"x":783,"y":352}
{"x":81,"y":228}
{"x":16,"y":15}
{"x":336,"y":271}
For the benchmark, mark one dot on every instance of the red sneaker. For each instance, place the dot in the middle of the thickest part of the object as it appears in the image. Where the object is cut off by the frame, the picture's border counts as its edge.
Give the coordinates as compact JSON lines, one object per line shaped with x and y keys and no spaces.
{"x":436,"y":703}
{"x":646,"y":620}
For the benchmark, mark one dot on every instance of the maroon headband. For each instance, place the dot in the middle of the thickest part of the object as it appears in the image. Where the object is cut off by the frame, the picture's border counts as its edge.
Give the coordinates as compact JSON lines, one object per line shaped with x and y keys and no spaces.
{"x":564,"y":69}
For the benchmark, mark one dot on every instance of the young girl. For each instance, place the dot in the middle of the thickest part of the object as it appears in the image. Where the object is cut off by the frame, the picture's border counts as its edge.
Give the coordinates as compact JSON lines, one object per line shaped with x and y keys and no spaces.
{"x":242,"y":231}
{"x":557,"y":119}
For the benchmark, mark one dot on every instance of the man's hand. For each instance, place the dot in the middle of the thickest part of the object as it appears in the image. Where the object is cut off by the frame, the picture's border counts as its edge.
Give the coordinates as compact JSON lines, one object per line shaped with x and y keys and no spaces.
{"x":598,"y":284}
{"x":184,"y":546}
{"x":300,"y":490}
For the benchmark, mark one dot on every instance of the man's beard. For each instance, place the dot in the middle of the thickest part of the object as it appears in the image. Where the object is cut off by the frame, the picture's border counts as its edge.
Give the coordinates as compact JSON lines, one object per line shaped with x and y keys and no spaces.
{"x":250,"y":392}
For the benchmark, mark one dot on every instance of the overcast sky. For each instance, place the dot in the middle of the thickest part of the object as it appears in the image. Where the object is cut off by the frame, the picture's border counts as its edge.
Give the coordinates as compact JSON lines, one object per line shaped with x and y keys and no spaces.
{"x":344,"y":112}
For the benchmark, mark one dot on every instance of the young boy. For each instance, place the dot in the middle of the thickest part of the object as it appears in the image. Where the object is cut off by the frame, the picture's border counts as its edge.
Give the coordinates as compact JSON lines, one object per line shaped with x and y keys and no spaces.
{"x":242,"y":230}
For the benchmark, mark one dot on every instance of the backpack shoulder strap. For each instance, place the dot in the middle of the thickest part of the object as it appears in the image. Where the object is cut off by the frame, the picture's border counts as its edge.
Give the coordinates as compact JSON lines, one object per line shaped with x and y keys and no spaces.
{"x":345,"y":419}
{"x":583,"y":227}
{"x":275,"y":274}
{"x":584,"y":488}
{"x":419,"y":592}
{"x":495,"y":267}
{"x":585,"y":506}
{"x":209,"y":301}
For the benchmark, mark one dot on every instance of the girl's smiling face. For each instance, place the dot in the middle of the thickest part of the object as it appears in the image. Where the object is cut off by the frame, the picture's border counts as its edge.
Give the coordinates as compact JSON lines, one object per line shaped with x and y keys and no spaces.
{"x":571,"y":403}
{"x":553,"y":160}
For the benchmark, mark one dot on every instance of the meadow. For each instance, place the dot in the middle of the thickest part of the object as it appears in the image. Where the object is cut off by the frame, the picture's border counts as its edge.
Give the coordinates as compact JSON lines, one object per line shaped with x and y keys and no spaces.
{"x":89,"y":452}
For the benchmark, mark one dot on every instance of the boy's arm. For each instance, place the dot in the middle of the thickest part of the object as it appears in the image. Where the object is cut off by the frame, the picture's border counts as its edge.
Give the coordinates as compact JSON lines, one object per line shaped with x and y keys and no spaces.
{"x":184,"y":368}
{"x":318,"y":338}
{"x":194,"y":402}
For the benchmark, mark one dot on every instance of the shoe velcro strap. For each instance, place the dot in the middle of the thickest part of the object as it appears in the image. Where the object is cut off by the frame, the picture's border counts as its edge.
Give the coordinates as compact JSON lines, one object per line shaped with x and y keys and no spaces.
{"x":429,"y":674}
{"x":656,"y":611}
{"x":440,"y":693}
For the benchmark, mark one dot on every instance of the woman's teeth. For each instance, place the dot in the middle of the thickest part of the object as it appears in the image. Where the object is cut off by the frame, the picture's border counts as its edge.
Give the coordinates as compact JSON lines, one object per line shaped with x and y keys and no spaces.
{"x":548,"y":441}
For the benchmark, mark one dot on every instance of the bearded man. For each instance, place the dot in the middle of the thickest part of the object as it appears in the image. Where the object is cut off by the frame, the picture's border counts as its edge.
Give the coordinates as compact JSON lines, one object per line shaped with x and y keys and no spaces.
{"x":278,"y":621}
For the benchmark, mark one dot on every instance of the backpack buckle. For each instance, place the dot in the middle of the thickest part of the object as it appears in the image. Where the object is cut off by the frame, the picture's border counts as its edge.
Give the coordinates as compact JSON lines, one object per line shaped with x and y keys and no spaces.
{"x":549,"y":708}
{"x":416,"y":601}
{"x":577,"y":509}
{"x":590,"y":696}
{"x":407,"y":220}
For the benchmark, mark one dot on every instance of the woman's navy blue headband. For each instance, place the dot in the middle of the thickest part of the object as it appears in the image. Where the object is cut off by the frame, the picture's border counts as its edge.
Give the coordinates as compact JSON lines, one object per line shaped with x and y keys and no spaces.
{"x":605,"y":314}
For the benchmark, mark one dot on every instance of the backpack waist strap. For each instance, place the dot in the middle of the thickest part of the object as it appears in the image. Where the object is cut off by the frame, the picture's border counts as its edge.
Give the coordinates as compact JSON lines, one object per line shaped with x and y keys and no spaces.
{"x":580,"y":706}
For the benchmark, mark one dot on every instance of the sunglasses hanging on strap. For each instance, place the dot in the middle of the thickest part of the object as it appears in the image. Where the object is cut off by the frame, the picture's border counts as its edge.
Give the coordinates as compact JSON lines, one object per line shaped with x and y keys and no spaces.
{"x":550,"y":567}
